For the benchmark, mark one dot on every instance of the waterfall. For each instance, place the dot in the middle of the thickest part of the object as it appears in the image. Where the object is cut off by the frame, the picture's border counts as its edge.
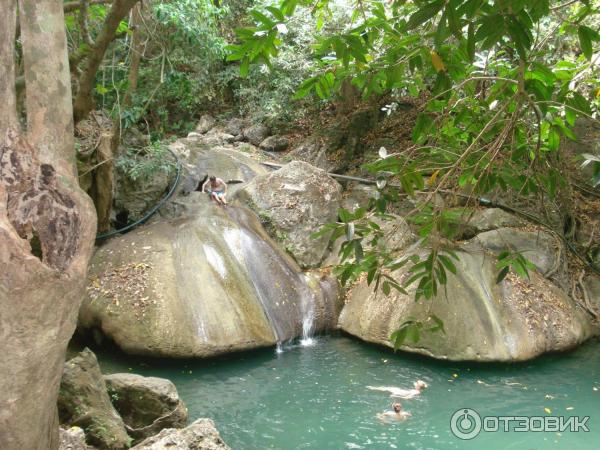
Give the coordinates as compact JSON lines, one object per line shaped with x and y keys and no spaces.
{"x":308,"y":316}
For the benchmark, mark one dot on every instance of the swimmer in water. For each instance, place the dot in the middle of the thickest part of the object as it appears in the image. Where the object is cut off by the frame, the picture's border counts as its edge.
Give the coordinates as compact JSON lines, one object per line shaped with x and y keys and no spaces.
{"x":396,"y":414}
{"x":419,"y":385}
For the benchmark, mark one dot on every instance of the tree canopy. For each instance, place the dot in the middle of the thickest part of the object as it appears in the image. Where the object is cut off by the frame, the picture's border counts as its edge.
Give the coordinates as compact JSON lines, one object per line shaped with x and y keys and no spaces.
{"x":499,"y":85}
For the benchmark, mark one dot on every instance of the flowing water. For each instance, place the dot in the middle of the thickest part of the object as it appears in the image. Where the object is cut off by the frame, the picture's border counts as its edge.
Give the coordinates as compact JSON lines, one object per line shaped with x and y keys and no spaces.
{"x":315,"y":396}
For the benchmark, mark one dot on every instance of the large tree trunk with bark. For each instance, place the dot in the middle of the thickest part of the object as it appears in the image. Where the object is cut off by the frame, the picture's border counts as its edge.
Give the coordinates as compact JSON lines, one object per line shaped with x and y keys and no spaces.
{"x":47,"y":227}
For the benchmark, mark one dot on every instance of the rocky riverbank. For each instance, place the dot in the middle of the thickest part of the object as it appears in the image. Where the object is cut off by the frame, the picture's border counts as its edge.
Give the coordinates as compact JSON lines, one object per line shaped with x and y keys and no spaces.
{"x":200,"y":280}
{"x":126,"y":410}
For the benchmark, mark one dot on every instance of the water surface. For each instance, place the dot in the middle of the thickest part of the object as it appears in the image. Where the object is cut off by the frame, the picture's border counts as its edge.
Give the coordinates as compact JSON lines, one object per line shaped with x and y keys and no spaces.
{"x":315,"y":397}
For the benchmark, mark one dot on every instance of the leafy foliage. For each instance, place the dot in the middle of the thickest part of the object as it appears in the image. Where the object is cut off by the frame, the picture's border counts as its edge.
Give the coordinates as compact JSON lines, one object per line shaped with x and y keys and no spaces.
{"x":500,"y":98}
{"x":144,"y":163}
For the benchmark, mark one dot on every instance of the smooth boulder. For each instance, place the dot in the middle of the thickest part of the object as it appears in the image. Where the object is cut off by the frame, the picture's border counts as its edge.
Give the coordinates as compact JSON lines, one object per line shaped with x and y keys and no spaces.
{"x":255,"y":134}
{"x":206,"y":123}
{"x":84,"y":402}
{"x":200,"y":160}
{"x":146,"y":404}
{"x":207,"y":280}
{"x":515,"y":320}
{"x":293,"y":203}
{"x":200,"y":435}
{"x":275,"y":144}
{"x":539,"y":247}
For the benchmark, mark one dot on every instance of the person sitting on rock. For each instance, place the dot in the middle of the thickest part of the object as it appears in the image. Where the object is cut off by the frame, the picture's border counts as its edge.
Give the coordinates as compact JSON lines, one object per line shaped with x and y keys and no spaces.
{"x":217,"y":189}
{"x":396,"y":414}
{"x":401,"y":393}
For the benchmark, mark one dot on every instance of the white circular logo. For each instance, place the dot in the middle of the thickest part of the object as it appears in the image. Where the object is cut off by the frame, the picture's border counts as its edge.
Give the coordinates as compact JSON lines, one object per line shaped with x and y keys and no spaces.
{"x":465,"y":423}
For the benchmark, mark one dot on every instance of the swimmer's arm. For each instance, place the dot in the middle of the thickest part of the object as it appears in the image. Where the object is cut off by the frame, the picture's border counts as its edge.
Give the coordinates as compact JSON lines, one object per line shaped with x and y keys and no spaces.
{"x":204,"y":185}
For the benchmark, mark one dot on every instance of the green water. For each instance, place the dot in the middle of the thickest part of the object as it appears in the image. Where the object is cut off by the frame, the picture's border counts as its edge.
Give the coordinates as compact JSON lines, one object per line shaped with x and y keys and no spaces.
{"x":314,"y":397}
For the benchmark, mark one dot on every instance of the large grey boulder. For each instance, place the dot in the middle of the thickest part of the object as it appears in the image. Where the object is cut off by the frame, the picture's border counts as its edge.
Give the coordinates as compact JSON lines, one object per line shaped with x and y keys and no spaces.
{"x":200,"y":160}
{"x":206,"y":123}
{"x":484,"y":321}
{"x":294,"y":202}
{"x":84,"y":402}
{"x":473,"y":222}
{"x":146,"y":404}
{"x":275,"y":144}
{"x":591,"y":293}
{"x":540,"y":247}
{"x":255,"y":134}
{"x":205,"y":281}
{"x":235,"y":126}
{"x":200,"y":435}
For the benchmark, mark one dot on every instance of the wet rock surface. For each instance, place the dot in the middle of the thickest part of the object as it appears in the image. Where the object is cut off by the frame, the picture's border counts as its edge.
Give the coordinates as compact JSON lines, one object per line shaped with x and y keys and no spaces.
{"x":206,"y":280}
{"x":200,"y":435}
{"x":294,"y":202}
{"x":84,"y":402}
{"x":146,"y":404}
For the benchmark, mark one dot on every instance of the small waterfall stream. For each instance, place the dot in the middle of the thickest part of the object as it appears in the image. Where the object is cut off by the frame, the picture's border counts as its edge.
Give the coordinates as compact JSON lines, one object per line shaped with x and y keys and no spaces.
{"x":290,"y":298}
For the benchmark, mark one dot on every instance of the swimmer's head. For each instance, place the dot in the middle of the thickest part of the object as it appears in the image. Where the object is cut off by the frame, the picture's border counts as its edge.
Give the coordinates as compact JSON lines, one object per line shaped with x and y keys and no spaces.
{"x":212,"y":178}
{"x":420,"y":385}
{"x":397,"y":407}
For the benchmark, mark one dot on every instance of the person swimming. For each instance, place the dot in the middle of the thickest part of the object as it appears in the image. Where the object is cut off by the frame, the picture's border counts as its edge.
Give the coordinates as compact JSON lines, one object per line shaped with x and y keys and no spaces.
{"x":419,"y":386}
{"x":397,"y":414}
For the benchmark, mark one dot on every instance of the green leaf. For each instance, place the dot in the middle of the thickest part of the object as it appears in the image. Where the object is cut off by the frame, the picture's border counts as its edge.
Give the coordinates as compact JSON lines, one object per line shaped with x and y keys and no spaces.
{"x":260,"y":17}
{"x":277,"y":13}
{"x":447,"y":262}
{"x":422,"y":126}
{"x":386,"y":288}
{"x":398,"y":337}
{"x":471,"y":41}
{"x":502,"y":274}
{"x":586,"y":35}
{"x":424,"y":13}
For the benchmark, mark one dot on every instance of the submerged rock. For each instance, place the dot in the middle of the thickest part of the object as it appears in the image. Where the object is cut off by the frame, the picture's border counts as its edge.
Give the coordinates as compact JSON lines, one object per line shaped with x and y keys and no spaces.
{"x":84,"y":402}
{"x":208,"y":282}
{"x":484,"y":321}
{"x":200,"y":435}
{"x":146,"y":404}
{"x":294,"y":202}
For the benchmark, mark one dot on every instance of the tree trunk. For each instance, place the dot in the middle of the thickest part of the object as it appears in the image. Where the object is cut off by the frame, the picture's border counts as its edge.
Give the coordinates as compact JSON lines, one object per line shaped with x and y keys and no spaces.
{"x":8,"y":22}
{"x":103,"y":183}
{"x":137,"y":49}
{"x":84,"y":100}
{"x":47,"y":228}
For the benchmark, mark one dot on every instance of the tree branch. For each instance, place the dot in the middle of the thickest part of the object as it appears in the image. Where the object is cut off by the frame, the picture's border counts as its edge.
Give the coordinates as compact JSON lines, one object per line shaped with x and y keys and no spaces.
{"x":84,"y":101}
{"x":74,"y":6}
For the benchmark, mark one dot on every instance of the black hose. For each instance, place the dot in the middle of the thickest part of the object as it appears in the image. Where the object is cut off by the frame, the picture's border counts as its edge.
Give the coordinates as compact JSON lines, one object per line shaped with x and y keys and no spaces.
{"x":153,"y":210}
